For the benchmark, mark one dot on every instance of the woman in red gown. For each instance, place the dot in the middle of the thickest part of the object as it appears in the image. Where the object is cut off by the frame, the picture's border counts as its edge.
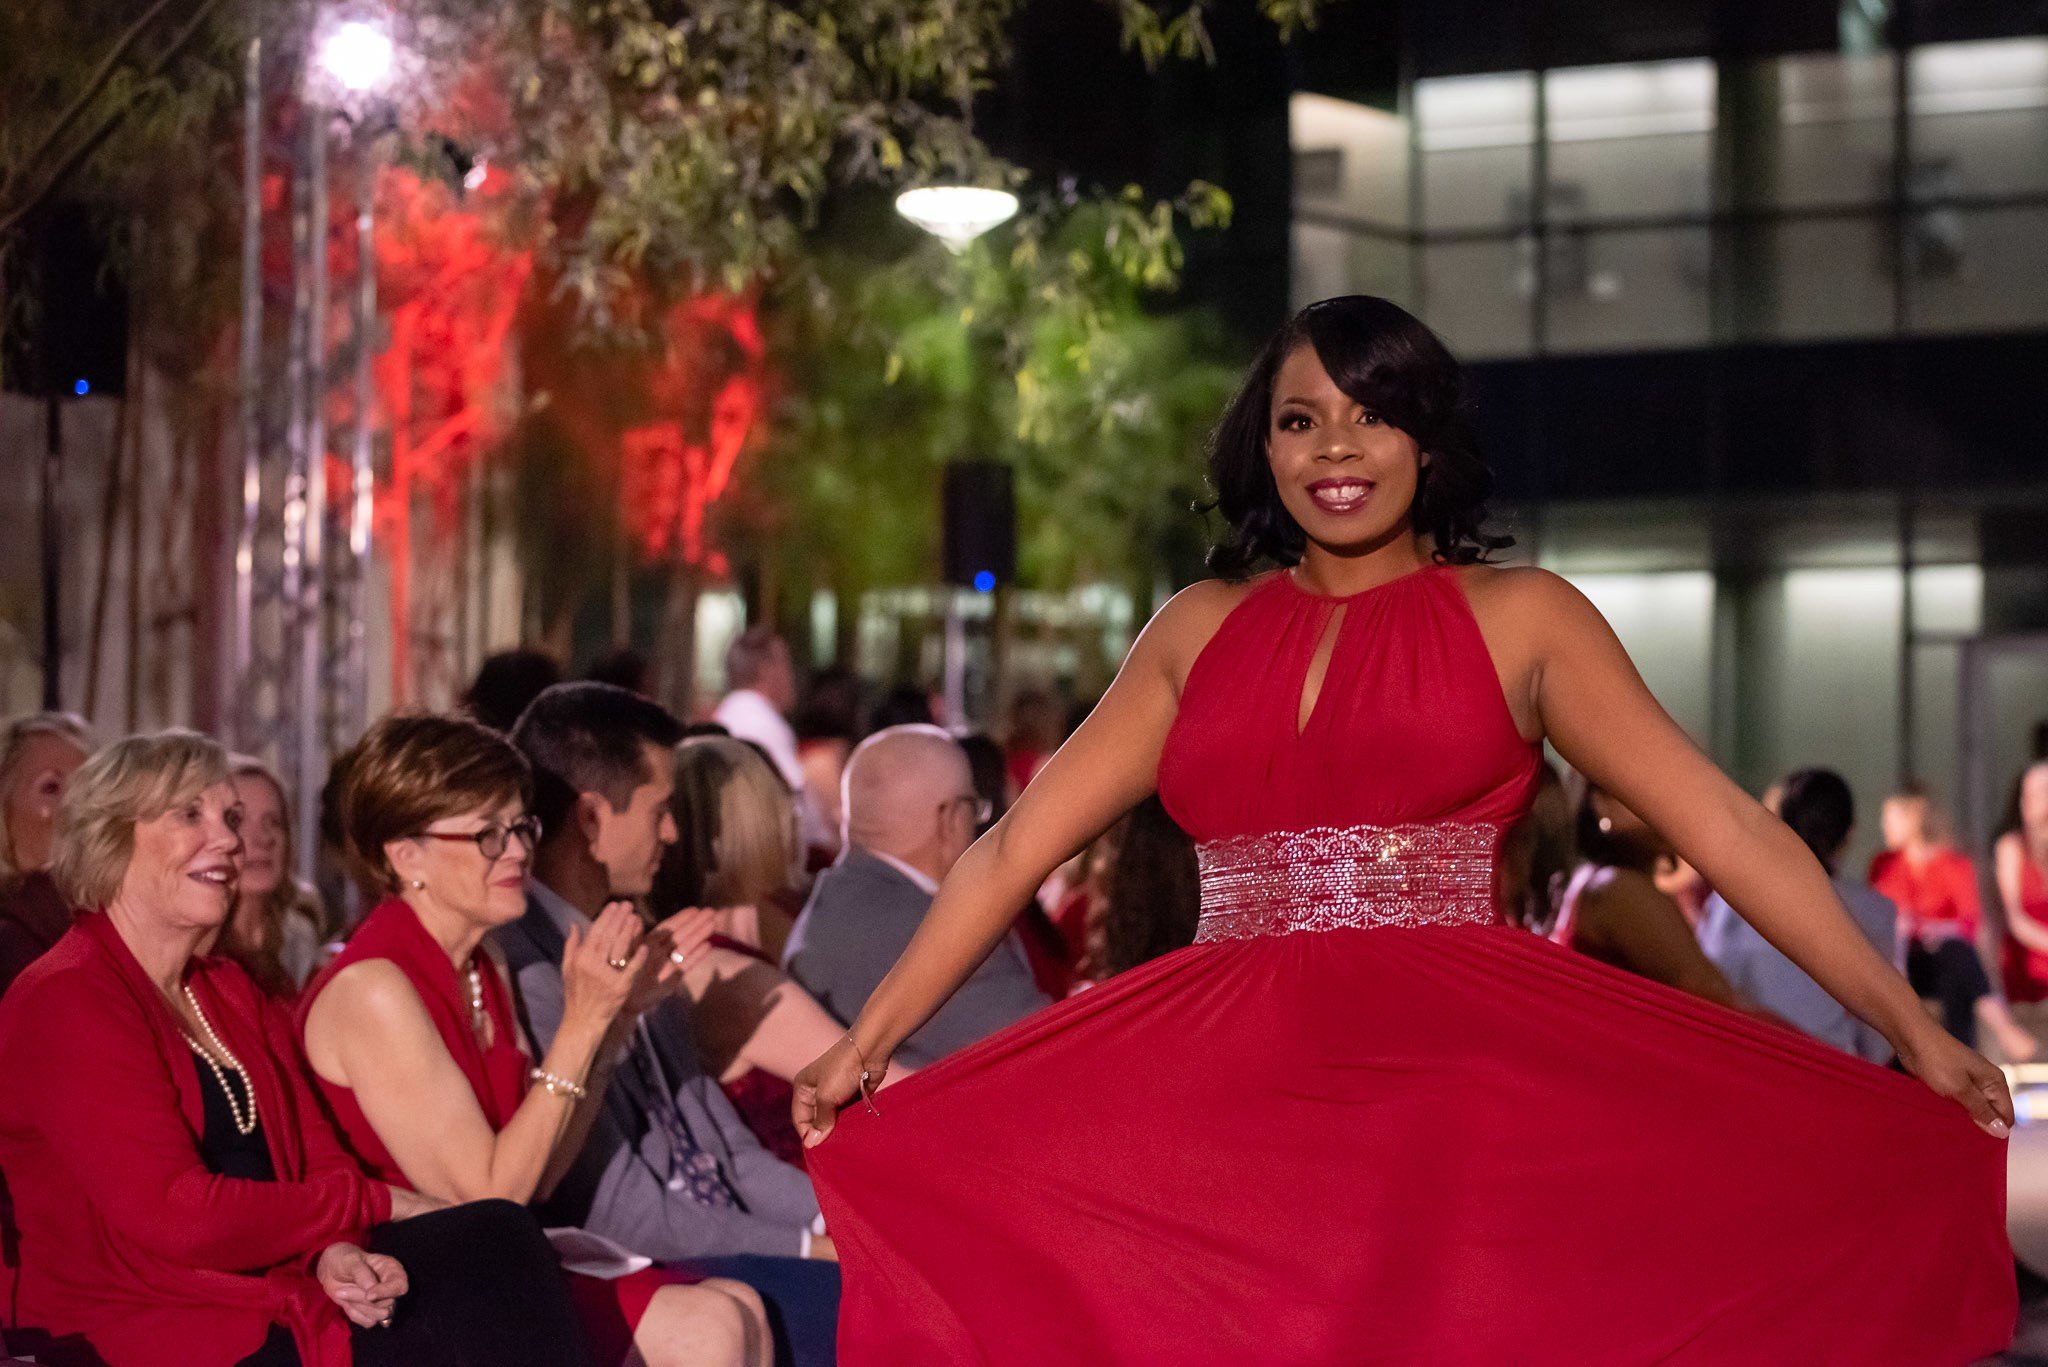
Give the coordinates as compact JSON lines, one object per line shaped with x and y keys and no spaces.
{"x":1359,"y":1120}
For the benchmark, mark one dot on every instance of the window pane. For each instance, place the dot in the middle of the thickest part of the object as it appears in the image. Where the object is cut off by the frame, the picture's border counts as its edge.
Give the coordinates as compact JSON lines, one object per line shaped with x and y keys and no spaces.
{"x":1980,"y":118}
{"x":1349,"y":159}
{"x":1834,"y":130}
{"x":1476,"y":134}
{"x":1630,"y":140}
{"x":1824,"y":278}
{"x":1471,"y":296}
{"x":1626,"y":289}
{"x":1979,"y":270}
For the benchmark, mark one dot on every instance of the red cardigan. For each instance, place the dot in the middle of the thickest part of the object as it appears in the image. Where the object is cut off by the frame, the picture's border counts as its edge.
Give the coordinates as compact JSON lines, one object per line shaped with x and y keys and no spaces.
{"x":120,"y":1234}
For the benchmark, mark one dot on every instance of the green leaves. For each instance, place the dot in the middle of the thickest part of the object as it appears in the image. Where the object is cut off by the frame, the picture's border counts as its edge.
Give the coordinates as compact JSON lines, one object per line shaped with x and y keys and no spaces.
{"x":1040,"y":345}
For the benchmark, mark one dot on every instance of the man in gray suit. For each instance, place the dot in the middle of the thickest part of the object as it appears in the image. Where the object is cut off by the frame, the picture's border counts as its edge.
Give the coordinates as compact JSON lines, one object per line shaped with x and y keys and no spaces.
{"x":668,"y":1168}
{"x":911,"y":812}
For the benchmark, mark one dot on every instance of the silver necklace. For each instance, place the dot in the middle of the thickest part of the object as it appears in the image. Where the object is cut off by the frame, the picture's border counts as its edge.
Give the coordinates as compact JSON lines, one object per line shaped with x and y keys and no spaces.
{"x":245,"y":1124}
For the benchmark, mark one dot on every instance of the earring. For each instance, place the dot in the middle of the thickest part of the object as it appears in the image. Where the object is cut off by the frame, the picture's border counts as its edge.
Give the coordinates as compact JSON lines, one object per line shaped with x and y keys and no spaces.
{"x":1606,"y":825}
{"x":419,"y":884}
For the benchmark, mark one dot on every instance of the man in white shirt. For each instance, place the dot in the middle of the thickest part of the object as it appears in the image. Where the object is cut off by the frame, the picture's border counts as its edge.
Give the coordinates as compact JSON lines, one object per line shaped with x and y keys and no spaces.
{"x":911,"y":812}
{"x":762,"y":680}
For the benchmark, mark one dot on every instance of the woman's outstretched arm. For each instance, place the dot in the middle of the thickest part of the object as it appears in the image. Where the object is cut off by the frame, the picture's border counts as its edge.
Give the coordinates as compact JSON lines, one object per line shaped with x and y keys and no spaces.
{"x":1108,"y":766}
{"x":1595,"y":709}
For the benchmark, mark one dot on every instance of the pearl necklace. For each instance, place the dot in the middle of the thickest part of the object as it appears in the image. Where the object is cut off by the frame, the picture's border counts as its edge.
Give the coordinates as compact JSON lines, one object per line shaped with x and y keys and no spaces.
{"x":243,"y":1125}
{"x":479,"y":1020}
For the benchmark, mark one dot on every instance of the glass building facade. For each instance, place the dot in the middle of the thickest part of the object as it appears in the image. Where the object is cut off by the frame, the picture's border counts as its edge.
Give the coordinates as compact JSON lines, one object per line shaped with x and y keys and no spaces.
{"x":1759,"y":347}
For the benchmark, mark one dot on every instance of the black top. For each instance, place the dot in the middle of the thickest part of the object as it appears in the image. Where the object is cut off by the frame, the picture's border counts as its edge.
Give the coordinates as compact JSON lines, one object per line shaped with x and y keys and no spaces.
{"x":226,"y":1151}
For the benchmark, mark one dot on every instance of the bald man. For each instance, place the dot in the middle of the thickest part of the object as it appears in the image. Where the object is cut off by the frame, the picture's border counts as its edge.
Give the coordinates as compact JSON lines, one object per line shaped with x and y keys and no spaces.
{"x":911,"y":812}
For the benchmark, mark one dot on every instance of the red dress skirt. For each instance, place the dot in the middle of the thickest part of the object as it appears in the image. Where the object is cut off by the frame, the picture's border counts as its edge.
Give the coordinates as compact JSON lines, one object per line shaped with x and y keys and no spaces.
{"x":1359,"y":1121}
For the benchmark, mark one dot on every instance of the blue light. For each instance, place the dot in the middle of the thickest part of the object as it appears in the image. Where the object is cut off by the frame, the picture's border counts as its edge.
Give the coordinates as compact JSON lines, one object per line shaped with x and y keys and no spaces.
{"x":984,"y":582}
{"x":80,"y":388}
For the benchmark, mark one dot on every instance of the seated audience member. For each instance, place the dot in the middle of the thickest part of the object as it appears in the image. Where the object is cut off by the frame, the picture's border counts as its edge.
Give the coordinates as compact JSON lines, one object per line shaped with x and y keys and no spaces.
{"x":411,"y":1035}
{"x":276,"y":929}
{"x":2020,"y":866}
{"x":38,"y":754}
{"x":826,"y":726}
{"x":762,"y":679}
{"x":668,"y":1168}
{"x":1033,"y":734}
{"x":506,"y":682}
{"x":911,"y":812}
{"x":1148,"y":894}
{"x":1053,"y":958}
{"x":905,"y":704}
{"x":1613,"y":911}
{"x":1536,"y":856}
{"x":1817,"y":805}
{"x":1934,"y":886}
{"x":737,"y":852}
{"x":179,"y":1196}
{"x":623,"y":667}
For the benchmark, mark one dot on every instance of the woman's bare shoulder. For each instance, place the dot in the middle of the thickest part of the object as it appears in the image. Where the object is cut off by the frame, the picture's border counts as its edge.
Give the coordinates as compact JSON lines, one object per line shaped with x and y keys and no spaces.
{"x":1518,"y":588}
{"x":1178,"y":632}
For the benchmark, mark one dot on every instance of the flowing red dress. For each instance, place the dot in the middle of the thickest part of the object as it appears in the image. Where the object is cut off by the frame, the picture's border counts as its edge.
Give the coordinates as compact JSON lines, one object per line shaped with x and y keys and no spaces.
{"x":1360,"y":1121}
{"x":608,"y":1308}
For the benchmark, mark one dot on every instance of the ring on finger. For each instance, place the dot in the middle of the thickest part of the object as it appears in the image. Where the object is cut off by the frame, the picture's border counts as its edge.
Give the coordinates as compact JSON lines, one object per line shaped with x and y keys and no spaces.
{"x":678,"y":958}
{"x":618,"y":965}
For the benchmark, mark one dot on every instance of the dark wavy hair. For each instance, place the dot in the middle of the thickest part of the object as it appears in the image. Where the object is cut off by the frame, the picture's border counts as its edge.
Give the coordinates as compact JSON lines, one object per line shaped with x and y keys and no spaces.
{"x":1382,"y":356}
{"x":1818,"y":806}
{"x":1152,"y":892}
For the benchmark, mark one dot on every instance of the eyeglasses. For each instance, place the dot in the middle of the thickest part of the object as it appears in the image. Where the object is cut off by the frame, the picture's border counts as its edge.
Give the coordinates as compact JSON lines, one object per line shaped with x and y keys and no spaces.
{"x":982,"y":808}
{"x":493,"y":840}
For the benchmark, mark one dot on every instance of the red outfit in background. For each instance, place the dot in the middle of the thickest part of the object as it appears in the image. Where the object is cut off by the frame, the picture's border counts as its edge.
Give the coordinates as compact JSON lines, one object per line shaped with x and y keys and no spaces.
{"x":610,"y":1309}
{"x":1361,"y":1120}
{"x":2026,"y":969}
{"x":761,"y":1098}
{"x":124,"y":1236}
{"x":1937,"y":899}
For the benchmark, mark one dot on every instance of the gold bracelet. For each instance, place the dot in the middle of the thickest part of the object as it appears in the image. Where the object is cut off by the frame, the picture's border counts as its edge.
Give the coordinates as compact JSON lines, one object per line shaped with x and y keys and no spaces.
{"x":867,"y":1078}
{"x":557,"y":1085}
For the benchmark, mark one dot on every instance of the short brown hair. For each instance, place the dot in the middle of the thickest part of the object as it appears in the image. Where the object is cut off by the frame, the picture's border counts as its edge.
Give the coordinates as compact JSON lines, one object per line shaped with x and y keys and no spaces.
{"x":128,"y":782}
{"x":414,"y":769}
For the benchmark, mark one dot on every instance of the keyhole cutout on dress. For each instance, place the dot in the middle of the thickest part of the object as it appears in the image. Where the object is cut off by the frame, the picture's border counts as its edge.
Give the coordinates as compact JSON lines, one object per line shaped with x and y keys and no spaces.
{"x":1318,"y":667}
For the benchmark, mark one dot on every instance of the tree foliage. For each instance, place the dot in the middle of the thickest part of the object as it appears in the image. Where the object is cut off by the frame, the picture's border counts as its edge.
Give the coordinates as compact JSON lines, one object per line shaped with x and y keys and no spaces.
{"x":1041,"y":345}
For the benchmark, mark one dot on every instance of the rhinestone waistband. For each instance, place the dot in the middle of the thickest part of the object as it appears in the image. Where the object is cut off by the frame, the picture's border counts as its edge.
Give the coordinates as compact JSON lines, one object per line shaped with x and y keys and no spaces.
{"x":1329,"y":878}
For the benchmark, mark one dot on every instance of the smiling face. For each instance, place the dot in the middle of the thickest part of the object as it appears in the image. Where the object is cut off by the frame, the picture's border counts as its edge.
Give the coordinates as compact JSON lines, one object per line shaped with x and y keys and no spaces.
{"x":29,"y":802}
{"x":182,"y":873}
{"x":1345,"y":475}
{"x":454,"y":875}
{"x":264,"y":844}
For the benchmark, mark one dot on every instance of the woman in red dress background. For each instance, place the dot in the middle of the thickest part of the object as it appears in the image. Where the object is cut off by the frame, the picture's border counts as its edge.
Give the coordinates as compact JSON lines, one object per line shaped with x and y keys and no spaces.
{"x":1941,"y":924}
{"x":1360,"y":1119}
{"x":2020,"y":864}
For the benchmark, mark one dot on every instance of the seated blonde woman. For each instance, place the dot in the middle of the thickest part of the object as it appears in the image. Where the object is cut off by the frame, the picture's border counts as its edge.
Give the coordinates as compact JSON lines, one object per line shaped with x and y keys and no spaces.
{"x":412,"y":1037}
{"x":277,"y":925}
{"x":737,"y":850}
{"x":180,"y":1199}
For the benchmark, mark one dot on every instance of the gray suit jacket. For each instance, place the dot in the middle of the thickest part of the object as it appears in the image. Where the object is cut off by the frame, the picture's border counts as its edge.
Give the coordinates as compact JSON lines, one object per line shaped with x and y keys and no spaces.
{"x":618,"y":1186}
{"x":861,"y":916}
